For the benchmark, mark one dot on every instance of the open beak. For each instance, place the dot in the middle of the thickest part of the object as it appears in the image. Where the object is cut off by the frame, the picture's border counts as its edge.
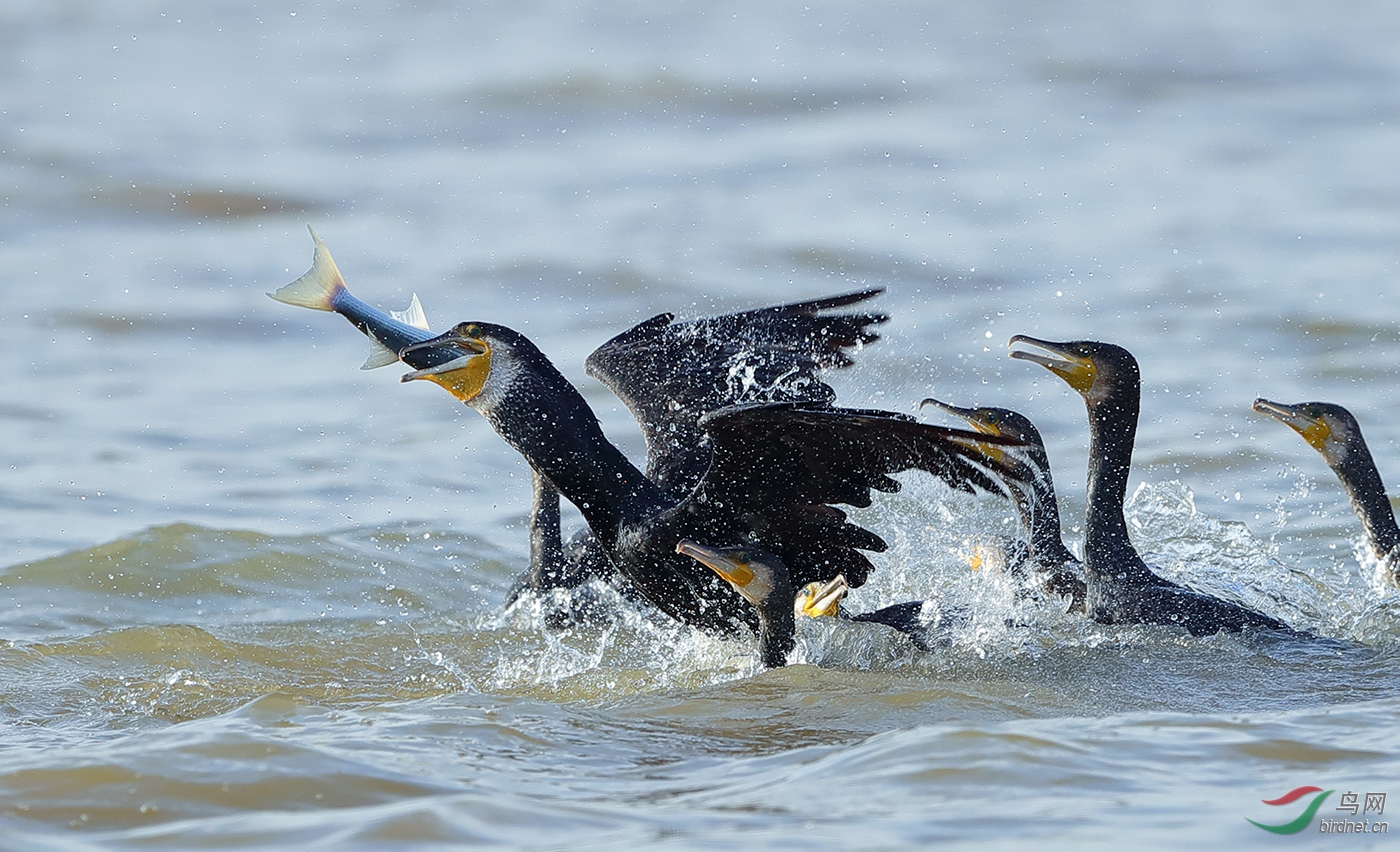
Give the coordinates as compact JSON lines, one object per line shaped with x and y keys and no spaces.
{"x":1313,"y":429}
{"x":1076,"y":370}
{"x":737,"y":574}
{"x":448,"y":342}
{"x":464,"y":372}
{"x":824,"y":599}
{"x":443,"y":369}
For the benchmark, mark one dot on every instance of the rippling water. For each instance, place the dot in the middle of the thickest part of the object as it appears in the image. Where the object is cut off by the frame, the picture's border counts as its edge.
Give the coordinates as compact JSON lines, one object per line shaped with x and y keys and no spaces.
{"x":250,"y":596}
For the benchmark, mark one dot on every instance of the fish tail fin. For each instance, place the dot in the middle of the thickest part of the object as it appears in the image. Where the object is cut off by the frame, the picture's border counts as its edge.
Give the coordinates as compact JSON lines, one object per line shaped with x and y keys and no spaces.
{"x":318,"y":288}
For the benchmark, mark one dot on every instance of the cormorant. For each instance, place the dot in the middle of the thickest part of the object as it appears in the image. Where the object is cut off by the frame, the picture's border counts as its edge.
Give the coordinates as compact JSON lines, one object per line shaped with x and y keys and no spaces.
{"x":761,"y":577}
{"x":1121,"y":589}
{"x":749,"y":570}
{"x":1333,"y":431}
{"x":818,"y":600}
{"x":1033,"y":492}
{"x":760,"y":471}
{"x":669,"y":374}
{"x":766,"y":472}
{"x":774,"y":469}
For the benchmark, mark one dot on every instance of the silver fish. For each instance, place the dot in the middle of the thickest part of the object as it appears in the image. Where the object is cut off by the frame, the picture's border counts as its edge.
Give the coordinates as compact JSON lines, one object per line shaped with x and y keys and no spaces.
{"x":323,"y":289}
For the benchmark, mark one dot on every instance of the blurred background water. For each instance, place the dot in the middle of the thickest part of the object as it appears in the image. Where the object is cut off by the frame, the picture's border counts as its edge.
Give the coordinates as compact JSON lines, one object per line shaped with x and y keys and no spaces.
{"x":250,"y":595}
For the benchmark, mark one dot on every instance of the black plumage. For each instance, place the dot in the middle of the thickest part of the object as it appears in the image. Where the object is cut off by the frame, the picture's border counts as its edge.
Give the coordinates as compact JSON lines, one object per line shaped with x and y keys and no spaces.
{"x":669,"y":374}
{"x":1335,"y":433}
{"x":763,"y":579}
{"x":1121,"y":588}
{"x":774,"y":471}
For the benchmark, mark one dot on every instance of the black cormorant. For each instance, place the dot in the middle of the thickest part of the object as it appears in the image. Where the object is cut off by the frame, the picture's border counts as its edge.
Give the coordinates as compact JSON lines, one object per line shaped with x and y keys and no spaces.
{"x":766,"y":472}
{"x":669,"y":374}
{"x":773,"y":471}
{"x":761,"y":577}
{"x":1121,"y":589}
{"x":749,"y":570}
{"x":1333,"y":431}
{"x":1033,"y":491}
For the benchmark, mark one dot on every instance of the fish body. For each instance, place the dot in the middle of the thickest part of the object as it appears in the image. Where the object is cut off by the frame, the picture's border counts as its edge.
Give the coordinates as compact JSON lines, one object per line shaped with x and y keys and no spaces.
{"x":323,"y":289}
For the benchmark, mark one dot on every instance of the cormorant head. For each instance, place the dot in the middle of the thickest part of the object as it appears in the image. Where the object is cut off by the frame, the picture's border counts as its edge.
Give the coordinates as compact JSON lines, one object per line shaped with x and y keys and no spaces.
{"x":1096,"y":370}
{"x":482,"y":358}
{"x":999,"y":422}
{"x":1329,"y":429}
{"x":821,"y":599}
{"x":758,"y":575}
{"x":762,"y":578}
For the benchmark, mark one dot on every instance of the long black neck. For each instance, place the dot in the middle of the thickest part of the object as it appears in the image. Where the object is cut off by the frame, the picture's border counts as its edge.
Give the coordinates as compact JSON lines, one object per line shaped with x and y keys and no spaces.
{"x":1112,"y":426}
{"x":1040,"y":512}
{"x":1362,"y":481}
{"x":776,"y":628}
{"x":546,"y":419}
{"x":546,"y":538}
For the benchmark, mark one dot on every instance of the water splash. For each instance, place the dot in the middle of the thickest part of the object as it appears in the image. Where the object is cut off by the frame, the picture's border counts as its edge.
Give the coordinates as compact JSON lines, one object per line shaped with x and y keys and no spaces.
{"x":1225,"y":558}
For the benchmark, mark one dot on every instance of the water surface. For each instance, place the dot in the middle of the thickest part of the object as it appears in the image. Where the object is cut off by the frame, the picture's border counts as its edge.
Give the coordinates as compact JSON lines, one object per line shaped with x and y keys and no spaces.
{"x":250,"y":596}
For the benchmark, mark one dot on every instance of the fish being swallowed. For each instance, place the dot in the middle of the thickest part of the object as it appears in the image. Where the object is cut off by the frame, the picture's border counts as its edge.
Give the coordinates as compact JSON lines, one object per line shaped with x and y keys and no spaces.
{"x":323,"y":289}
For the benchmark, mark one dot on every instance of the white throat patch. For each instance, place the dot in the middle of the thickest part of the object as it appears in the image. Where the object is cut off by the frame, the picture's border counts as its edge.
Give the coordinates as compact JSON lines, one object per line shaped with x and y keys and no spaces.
{"x":505,"y":372}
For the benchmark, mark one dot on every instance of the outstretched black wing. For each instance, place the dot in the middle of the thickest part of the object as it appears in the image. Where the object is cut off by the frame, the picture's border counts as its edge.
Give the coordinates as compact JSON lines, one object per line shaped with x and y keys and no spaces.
{"x":778,"y":468}
{"x":669,"y":374}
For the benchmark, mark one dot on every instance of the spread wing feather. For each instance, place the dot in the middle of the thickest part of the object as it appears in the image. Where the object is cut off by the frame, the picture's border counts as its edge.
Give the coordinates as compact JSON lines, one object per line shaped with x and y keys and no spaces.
{"x":669,"y":374}
{"x":778,"y":467}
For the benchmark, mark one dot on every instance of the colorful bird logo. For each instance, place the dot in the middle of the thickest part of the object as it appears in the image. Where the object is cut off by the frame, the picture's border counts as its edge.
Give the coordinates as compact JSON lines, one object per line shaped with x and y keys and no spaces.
{"x":1304,"y":818}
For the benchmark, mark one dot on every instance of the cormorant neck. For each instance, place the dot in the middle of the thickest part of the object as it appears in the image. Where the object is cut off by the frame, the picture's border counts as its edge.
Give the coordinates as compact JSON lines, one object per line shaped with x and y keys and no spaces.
{"x":1112,"y":426}
{"x":1362,"y":481}
{"x":546,"y":538}
{"x":776,"y":628}
{"x":1040,"y":512}
{"x":539,"y":413}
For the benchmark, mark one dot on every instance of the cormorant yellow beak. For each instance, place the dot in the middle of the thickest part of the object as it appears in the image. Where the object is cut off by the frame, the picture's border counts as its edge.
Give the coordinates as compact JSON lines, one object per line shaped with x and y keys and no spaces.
{"x":1077,"y":370}
{"x":1314,"y":428}
{"x":821,"y":599}
{"x":463,"y":376}
{"x":736,"y":573}
{"x":977,"y":421}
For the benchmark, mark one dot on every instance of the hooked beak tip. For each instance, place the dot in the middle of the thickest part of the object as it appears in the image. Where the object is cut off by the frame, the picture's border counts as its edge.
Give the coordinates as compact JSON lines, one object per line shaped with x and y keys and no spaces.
{"x":954,"y":410}
{"x":1275,"y":410}
{"x":691,"y":549}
